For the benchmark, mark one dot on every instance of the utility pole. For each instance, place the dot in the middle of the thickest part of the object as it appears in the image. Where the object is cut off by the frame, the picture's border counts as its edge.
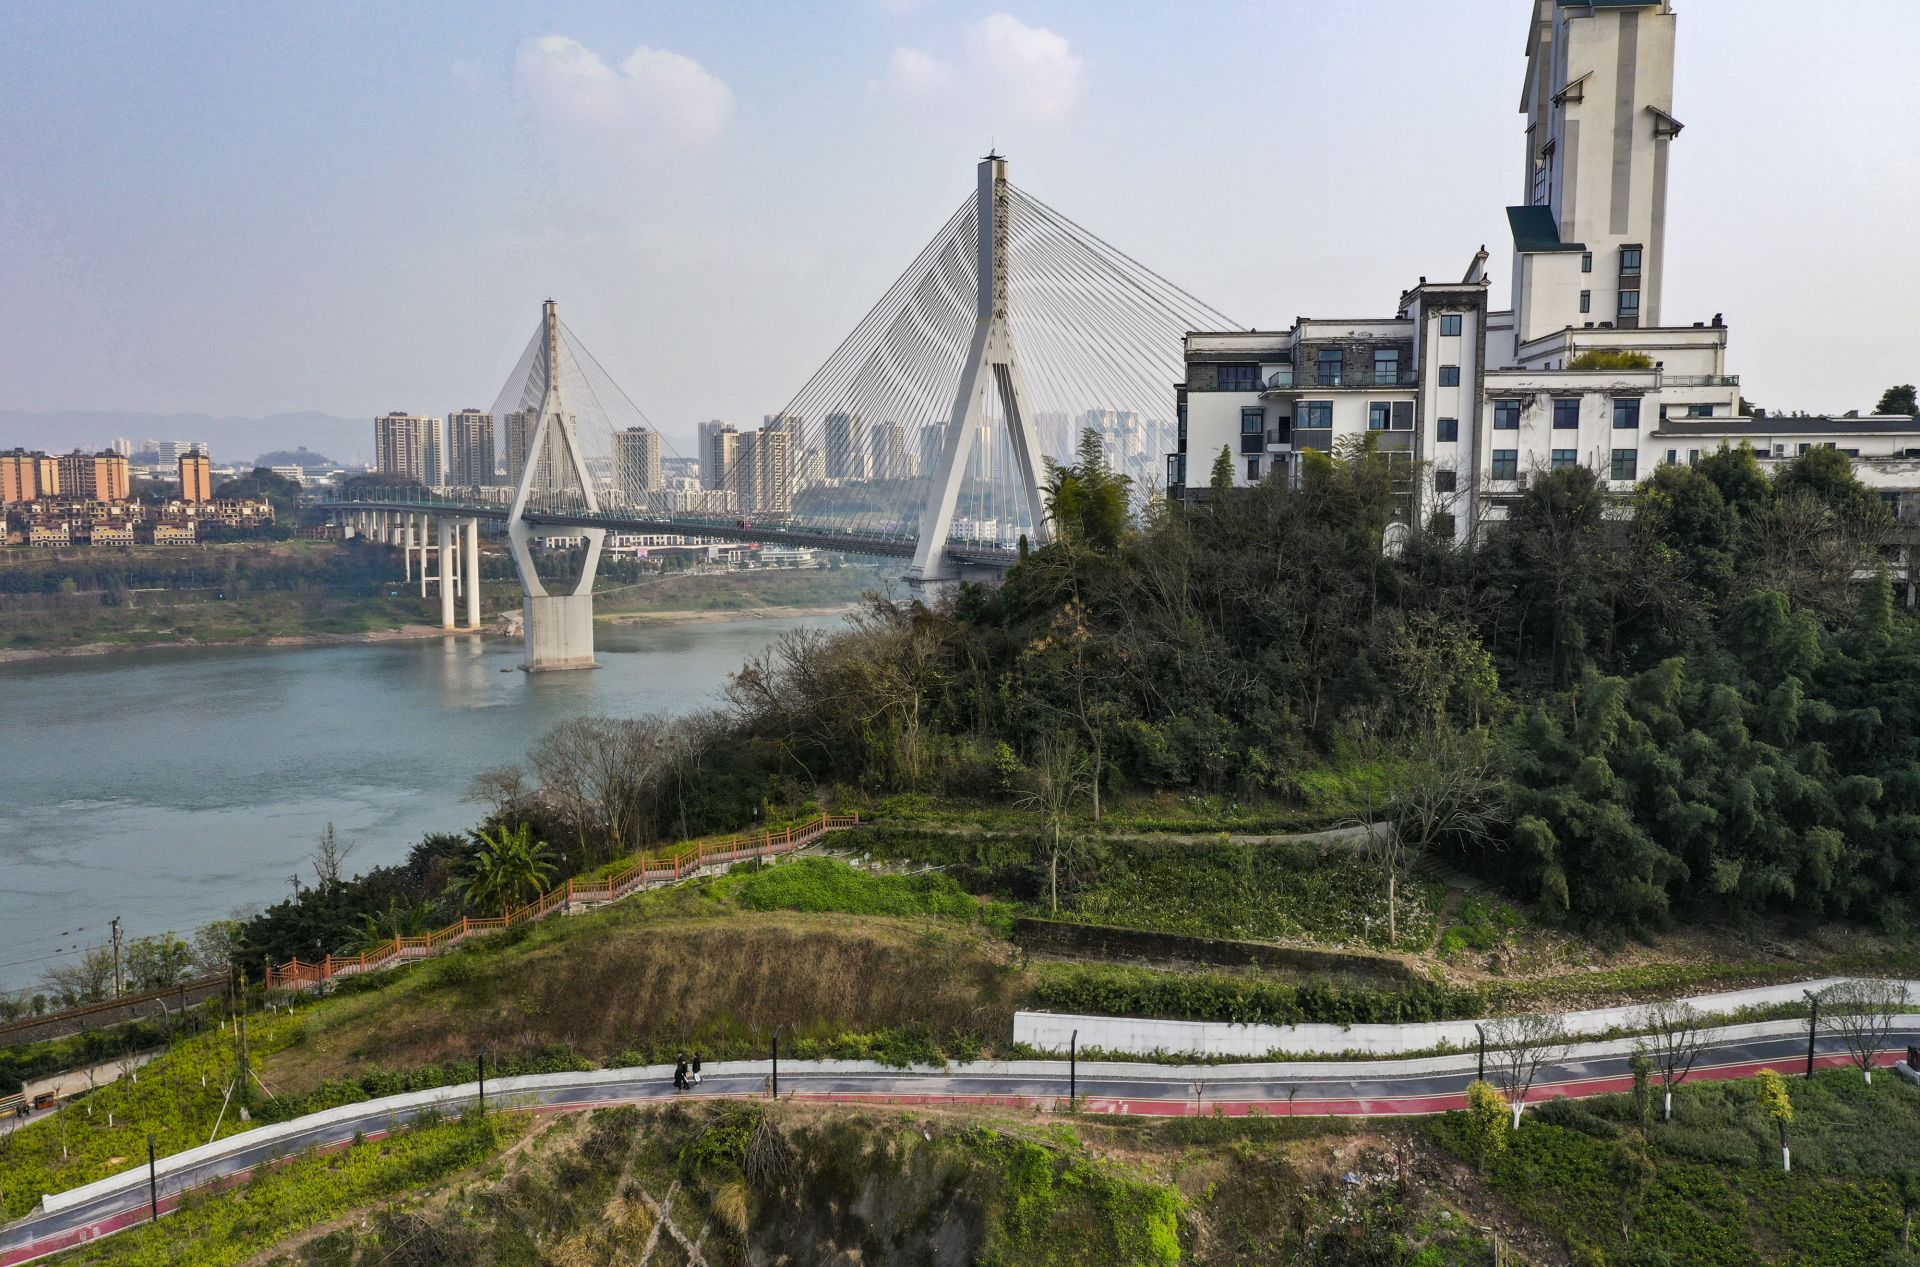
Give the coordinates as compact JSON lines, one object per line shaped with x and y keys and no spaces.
{"x":1073,"y":1070}
{"x":1813,"y":1027}
{"x":118,"y":989}
{"x":153,"y":1182}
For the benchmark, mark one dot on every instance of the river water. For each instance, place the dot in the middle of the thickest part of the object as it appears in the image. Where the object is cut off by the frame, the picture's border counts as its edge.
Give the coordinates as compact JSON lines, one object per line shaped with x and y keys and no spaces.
{"x":169,"y":787}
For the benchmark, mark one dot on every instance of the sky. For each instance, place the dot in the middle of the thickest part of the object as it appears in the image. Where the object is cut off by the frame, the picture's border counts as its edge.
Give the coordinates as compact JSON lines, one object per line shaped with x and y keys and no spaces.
{"x":358,"y":207}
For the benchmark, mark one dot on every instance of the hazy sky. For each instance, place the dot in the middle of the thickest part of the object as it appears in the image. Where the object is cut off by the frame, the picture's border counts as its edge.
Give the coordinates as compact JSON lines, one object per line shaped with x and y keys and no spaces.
{"x":356,"y":207}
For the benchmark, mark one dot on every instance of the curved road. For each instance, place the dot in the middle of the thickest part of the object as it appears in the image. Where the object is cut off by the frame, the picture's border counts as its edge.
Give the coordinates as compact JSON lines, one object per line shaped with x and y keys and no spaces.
{"x":1361,"y":1089}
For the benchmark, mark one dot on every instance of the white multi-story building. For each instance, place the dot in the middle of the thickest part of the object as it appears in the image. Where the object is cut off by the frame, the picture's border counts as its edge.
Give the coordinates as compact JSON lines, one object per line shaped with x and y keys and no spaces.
{"x":636,"y":463}
{"x":1582,"y":368}
{"x":470,"y":458}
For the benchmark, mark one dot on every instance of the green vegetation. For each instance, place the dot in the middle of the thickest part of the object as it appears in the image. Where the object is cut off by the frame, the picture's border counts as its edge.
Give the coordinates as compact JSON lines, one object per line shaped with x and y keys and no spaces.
{"x":630,"y":590}
{"x":1710,"y":1190}
{"x":27,"y":1061}
{"x":1610,"y":359}
{"x":823,"y":884}
{"x":1105,"y":989}
{"x":217,"y":1230}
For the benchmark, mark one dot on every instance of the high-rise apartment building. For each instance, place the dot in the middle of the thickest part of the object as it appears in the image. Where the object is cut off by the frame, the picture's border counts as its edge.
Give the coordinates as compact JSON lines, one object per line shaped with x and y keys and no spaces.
{"x":765,"y":478}
{"x":520,"y":427}
{"x":890,"y":452}
{"x":719,"y":457}
{"x":26,"y":477}
{"x":103,"y":477}
{"x":196,"y":477}
{"x":470,"y":449}
{"x":844,"y":437}
{"x":636,"y":463}
{"x":400,"y":445}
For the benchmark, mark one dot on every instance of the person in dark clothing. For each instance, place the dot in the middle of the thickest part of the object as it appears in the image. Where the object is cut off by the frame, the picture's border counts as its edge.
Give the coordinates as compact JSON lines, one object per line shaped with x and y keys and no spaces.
{"x":680,"y":1075}
{"x":696,"y":1068}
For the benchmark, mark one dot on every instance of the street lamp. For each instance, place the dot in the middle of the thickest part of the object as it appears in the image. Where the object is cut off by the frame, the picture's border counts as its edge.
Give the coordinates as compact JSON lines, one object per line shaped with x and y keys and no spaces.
{"x":1813,"y":1026}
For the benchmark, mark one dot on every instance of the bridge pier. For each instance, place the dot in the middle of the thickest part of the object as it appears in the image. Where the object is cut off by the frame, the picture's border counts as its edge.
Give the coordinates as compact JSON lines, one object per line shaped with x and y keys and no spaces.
{"x":444,"y":528}
{"x":470,"y":555}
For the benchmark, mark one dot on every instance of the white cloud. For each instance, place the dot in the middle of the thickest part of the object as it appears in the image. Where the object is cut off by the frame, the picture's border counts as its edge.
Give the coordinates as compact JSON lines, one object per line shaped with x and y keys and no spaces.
{"x":1033,"y":66}
{"x":912,"y":72}
{"x":665,"y":96}
{"x":1029,"y":69}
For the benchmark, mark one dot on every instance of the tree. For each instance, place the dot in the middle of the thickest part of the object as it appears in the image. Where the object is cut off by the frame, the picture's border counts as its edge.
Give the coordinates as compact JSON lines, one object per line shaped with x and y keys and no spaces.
{"x":215,"y":944}
{"x":330,"y":860}
{"x":154,"y":963}
{"x":603,"y":775}
{"x":503,"y":790}
{"x":508,"y":870}
{"x":1777,"y":1104}
{"x":86,"y":979}
{"x":1906,"y":1190}
{"x":1610,"y":359}
{"x":1088,"y":502}
{"x":1898,"y":400}
{"x":1864,"y":1015}
{"x":1641,"y":1066}
{"x":1220,"y":482}
{"x":1486,"y":1115}
{"x":1056,"y":779}
{"x":379,"y":928}
{"x":1525,"y":1043}
{"x":1676,"y":1033}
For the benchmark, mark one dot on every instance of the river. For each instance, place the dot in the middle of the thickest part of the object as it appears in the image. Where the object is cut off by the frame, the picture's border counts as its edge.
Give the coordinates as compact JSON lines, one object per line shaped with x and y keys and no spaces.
{"x":170,"y":787}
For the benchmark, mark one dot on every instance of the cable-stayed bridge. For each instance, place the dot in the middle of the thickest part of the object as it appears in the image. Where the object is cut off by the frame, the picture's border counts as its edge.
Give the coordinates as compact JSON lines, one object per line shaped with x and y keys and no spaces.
{"x":925,"y":435}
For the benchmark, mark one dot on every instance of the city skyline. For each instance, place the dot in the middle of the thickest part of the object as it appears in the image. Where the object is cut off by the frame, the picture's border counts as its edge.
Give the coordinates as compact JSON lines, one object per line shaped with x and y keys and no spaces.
{"x":699,"y":110}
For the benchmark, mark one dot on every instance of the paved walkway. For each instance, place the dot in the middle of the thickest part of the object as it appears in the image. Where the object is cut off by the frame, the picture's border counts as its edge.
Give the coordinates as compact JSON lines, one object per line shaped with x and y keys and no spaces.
{"x":1375,"y":1088}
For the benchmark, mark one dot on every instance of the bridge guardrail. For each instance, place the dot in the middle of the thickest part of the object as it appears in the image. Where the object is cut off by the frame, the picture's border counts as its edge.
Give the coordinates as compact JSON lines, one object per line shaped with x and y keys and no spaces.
{"x":297,"y":974}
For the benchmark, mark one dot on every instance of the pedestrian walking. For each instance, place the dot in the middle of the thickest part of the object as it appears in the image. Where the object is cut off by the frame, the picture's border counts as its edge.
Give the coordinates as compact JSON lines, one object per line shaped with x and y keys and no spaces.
{"x":696,"y":1068}
{"x":680,"y":1075}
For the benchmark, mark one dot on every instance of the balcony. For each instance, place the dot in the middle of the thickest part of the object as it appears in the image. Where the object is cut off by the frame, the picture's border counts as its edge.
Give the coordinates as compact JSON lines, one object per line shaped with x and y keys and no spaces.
{"x":1300,"y":377}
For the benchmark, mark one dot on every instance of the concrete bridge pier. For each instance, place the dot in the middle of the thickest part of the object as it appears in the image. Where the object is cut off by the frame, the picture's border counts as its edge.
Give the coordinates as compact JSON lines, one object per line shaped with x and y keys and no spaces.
{"x":444,"y":528}
{"x":470,"y":554}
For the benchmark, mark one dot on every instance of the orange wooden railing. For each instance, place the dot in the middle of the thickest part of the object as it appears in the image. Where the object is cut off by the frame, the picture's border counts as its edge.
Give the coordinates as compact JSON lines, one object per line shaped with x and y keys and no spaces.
{"x":297,"y":974}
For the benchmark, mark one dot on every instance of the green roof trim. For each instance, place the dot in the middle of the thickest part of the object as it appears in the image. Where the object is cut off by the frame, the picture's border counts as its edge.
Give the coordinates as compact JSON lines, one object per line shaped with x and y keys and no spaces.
{"x":1535,"y":232}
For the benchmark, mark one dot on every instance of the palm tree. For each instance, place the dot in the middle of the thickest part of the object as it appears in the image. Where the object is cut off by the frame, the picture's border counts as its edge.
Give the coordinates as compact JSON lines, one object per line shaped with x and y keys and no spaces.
{"x":509,"y":870}
{"x":378,"y":928}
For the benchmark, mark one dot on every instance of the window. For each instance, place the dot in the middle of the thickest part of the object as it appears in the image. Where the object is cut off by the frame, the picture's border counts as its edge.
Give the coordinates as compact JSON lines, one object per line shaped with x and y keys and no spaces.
{"x":1626,"y":413}
{"x":1506,"y":415}
{"x":1450,"y":325}
{"x":1182,"y":413}
{"x":1403,"y":415}
{"x":1442,"y":524}
{"x":1802,"y":449}
{"x":1253,"y":470}
{"x":1449,"y":376}
{"x":1586,"y":262}
{"x":1318,"y":415}
{"x":1386,"y":365}
{"x":1673,"y":457}
{"x":1629,"y":261}
{"x":1630,"y":303}
{"x":1566,"y":413}
{"x":1239,"y":378}
{"x":1449,"y":430}
{"x":1586,"y":301}
{"x":1253,"y":430}
{"x":1852,"y":453}
{"x":1444,"y":481}
{"x":1176,"y":468}
{"x":1331,"y":367}
{"x":1626,"y":464}
{"x":1693,"y":457}
{"x":1379,"y":416}
{"x":1506,"y":464}
{"x":1564,"y":458}
{"x":1699,"y":411}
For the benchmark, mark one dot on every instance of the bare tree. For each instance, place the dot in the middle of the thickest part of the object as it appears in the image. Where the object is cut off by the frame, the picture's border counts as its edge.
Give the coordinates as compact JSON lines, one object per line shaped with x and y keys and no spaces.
{"x":1675,"y":1041}
{"x":1055,"y":780}
{"x":330,"y":859}
{"x":1525,"y":1044}
{"x":1863,"y":1014}
{"x":501,"y":790}
{"x":602,"y":774}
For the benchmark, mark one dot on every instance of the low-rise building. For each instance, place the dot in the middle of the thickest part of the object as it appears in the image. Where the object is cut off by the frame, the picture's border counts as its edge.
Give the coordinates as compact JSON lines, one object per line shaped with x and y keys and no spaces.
{"x":171,"y":532}
{"x":50,"y":532}
{"x":110,"y":532}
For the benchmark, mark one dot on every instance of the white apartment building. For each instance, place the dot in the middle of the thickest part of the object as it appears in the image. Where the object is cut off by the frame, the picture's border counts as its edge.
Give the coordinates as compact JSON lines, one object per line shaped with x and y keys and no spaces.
{"x":410,"y":445}
{"x":470,"y":449}
{"x":636,"y":463}
{"x":1581,"y":368}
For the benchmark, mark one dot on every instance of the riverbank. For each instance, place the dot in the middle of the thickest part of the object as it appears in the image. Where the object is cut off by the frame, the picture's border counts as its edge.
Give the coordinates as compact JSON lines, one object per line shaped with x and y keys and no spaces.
{"x":400,"y":633}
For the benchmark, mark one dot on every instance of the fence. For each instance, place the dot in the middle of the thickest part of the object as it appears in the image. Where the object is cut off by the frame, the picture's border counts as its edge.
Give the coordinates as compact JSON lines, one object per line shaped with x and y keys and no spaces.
{"x":296,"y":974}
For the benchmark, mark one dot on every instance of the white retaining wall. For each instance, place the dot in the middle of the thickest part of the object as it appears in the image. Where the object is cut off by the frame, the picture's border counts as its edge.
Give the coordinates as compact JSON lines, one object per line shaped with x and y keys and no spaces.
{"x":1140,"y":1036}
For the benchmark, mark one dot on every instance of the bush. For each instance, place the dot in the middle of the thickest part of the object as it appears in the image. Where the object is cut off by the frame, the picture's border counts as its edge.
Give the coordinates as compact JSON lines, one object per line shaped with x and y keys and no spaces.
{"x":1103,"y":990}
{"x":826,"y":884}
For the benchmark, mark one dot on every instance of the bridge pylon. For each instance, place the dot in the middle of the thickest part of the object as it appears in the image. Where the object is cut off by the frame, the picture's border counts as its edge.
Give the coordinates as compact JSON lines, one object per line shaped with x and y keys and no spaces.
{"x":558,"y":628}
{"x":992,"y":365}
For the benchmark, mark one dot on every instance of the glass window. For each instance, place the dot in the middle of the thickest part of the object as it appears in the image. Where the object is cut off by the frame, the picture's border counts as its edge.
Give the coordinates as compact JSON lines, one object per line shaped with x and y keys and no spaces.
{"x":1403,"y":415}
{"x":1673,"y":457}
{"x":1506,"y":464}
{"x":1449,"y":325}
{"x":1564,"y":458}
{"x":1449,"y":376}
{"x":1176,"y":468}
{"x":1586,"y":262}
{"x":1626,"y":413}
{"x":1253,"y":470}
{"x":1442,"y":523}
{"x":1586,"y":301}
{"x":1318,"y":414}
{"x":1506,"y":415}
{"x":1444,"y":481}
{"x":1629,"y":261}
{"x":1330,"y":365}
{"x":1626,"y":464}
{"x":1379,"y":416}
{"x":1182,"y":414}
{"x":1629,"y":303}
{"x":1449,"y":429}
{"x":1239,"y":378}
{"x":1699,"y":411}
{"x":1566,"y":413}
{"x":1386,"y":365}
{"x":1253,"y":421}
{"x":1693,"y":457}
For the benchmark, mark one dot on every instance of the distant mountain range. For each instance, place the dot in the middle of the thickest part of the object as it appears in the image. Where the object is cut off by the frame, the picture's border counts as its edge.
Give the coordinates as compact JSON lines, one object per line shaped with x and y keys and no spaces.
{"x":232,"y":439}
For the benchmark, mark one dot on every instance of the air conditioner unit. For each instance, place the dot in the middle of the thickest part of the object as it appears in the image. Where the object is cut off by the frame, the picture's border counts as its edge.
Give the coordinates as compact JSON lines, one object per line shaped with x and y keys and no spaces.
{"x":1521,"y":480}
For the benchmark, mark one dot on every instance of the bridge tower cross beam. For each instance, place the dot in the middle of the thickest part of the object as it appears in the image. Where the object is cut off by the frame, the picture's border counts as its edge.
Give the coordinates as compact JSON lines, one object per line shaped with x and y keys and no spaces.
{"x":558,"y":628}
{"x":992,"y":364}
